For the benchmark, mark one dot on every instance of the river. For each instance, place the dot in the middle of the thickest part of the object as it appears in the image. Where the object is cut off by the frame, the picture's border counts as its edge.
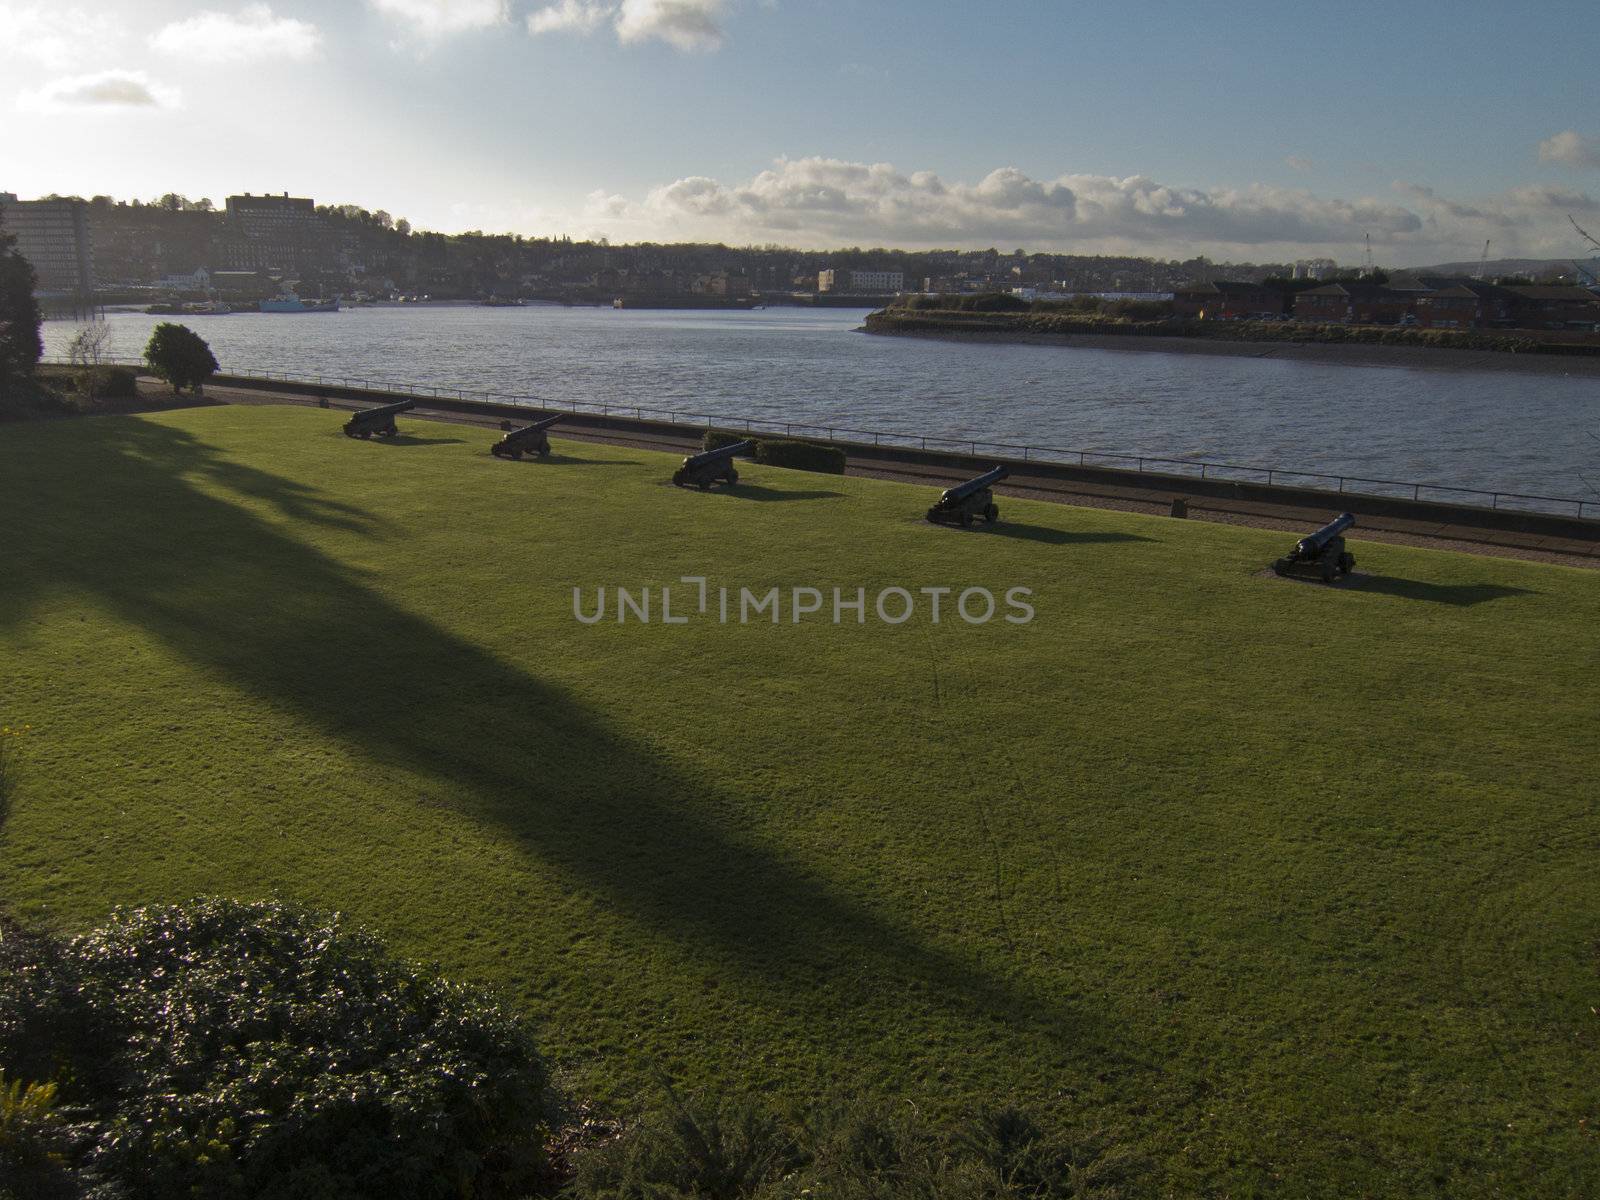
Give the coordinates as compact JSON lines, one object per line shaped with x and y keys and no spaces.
{"x":1536,"y":434}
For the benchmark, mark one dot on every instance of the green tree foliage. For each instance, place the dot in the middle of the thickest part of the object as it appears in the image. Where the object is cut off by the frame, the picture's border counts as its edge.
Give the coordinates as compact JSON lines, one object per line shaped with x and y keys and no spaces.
{"x":20,"y":344}
{"x":307,"y":1062}
{"x":180,"y":356}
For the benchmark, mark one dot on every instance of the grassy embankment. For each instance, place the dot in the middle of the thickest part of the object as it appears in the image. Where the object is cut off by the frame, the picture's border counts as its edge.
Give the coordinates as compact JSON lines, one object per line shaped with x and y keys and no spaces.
{"x":1045,"y":319}
{"x":1293,"y":887}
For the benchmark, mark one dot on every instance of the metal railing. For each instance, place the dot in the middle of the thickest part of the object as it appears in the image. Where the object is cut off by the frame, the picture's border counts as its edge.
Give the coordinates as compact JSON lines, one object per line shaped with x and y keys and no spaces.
{"x":1141,"y":463}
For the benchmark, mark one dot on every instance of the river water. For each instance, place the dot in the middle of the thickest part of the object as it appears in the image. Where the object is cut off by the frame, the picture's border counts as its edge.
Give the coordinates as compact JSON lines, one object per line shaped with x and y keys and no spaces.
{"x":1536,"y":434}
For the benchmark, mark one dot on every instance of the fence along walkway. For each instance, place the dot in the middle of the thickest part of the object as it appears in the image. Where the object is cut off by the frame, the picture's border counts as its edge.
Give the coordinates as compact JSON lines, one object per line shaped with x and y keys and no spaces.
{"x":1138,"y":463}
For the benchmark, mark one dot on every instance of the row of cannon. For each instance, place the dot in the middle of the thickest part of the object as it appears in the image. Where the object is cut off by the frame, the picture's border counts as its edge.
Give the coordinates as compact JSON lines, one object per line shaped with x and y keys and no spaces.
{"x":1320,"y":555}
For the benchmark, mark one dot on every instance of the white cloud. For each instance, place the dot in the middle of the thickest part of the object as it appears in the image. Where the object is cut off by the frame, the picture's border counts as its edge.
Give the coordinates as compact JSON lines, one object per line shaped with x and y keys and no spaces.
{"x":55,"y":37}
{"x":829,"y":202}
{"x":1299,"y":162}
{"x":688,"y":25}
{"x":105,"y":90}
{"x":430,"y":19}
{"x":1571,"y":149}
{"x":253,"y":32}
{"x":571,"y":16}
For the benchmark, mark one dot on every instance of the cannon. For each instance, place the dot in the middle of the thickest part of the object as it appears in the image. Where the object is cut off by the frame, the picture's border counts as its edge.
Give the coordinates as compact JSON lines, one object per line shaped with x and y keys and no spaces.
{"x":704,"y":469}
{"x":380,"y":420}
{"x":968,"y":501}
{"x":1320,"y":555}
{"x":530,"y":439}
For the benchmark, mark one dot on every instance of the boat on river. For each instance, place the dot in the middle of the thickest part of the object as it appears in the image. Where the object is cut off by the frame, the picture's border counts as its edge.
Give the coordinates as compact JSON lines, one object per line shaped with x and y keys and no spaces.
{"x":289,"y":302}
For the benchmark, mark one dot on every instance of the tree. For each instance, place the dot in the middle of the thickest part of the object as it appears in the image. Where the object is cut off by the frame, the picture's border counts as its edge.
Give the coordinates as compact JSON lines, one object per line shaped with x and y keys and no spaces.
{"x":180,"y":356}
{"x":86,"y":351}
{"x":20,"y":344}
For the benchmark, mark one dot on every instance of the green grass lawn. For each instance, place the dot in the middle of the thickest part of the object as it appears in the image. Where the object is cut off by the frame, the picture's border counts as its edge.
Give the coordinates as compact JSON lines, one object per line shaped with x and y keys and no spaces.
{"x":1295,"y":888}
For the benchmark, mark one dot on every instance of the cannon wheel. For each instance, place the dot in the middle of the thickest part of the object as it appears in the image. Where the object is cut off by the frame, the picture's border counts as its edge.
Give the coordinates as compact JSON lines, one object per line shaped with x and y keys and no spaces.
{"x":350,"y":433}
{"x":966,"y":520}
{"x":516,"y":454}
{"x":933,"y":515}
{"x":733,"y":477}
{"x":1347,"y":563}
{"x":991,"y":514}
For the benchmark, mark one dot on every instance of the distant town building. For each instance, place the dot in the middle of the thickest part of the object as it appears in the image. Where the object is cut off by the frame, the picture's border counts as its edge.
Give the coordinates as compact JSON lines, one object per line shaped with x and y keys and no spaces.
{"x":1225,"y":300}
{"x":53,"y":235}
{"x":873,"y":283}
{"x":198,"y":280}
{"x":281,"y":231}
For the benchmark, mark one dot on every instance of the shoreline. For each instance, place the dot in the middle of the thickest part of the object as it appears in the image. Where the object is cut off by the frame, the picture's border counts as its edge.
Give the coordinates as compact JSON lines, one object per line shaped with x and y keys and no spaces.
{"x":1323,"y":353}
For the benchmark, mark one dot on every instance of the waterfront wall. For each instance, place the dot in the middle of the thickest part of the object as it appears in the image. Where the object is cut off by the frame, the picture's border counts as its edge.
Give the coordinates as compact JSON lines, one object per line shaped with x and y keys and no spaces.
{"x":866,"y":454}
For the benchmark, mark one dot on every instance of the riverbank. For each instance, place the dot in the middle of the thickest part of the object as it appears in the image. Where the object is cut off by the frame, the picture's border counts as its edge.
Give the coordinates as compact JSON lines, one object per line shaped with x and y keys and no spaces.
{"x":1529,"y":536}
{"x":1353,"y":354}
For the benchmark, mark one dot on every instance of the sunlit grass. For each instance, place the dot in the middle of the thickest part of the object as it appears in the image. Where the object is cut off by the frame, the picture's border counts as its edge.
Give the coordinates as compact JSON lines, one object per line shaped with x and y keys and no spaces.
{"x":1295,"y":887}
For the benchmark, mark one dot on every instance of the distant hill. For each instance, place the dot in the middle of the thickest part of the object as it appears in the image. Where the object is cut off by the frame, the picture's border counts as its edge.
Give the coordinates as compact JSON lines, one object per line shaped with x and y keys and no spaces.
{"x":1532,"y":267}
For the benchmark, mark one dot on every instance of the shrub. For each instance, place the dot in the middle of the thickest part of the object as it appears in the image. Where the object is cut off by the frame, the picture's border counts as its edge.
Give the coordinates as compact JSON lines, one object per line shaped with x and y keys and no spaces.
{"x":180,"y":356}
{"x":35,"y":1144}
{"x":716,"y":439}
{"x":309,"y":1061}
{"x":801,"y":456}
{"x":991,"y":302}
{"x":793,"y":453}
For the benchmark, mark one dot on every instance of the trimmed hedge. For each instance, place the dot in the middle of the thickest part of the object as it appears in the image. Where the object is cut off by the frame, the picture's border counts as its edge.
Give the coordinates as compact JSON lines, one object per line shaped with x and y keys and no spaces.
{"x":793,"y":453}
{"x":801,"y":456}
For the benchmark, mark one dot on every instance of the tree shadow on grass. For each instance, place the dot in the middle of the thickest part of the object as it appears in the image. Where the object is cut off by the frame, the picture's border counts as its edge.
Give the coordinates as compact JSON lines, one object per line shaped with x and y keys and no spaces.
{"x":248,"y":602}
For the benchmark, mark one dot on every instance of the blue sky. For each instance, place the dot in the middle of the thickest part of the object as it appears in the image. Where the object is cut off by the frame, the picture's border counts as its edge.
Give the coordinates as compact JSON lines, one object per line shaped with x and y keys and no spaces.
{"x":1237,"y":130}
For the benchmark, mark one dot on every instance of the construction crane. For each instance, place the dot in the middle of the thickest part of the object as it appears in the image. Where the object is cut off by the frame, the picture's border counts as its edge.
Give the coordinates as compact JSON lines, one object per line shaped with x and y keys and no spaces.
{"x":1483,"y":259}
{"x":1587,"y":276}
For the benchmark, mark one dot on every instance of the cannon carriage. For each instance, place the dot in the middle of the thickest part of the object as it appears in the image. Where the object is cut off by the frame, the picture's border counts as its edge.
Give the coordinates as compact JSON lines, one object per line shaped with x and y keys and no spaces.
{"x":380,"y":420}
{"x":1320,"y":555}
{"x":711,"y":466}
{"x":970,"y":501}
{"x":530,"y":439}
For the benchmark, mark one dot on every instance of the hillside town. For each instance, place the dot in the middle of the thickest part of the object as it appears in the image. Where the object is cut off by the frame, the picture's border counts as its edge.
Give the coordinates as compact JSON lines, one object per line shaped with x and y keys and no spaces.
{"x":173,"y":252}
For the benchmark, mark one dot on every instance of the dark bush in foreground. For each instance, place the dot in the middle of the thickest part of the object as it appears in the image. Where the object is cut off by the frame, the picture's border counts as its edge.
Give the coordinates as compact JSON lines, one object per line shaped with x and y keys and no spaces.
{"x":745,"y":1150}
{"x":255,"y":1050}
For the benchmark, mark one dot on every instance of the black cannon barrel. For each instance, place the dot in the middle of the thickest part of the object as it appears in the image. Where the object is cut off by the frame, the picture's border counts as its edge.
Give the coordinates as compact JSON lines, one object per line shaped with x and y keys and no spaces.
{"x":706,"y":457}
{"x":961,"y":491}
{"x":527,"y":431}
{"x":385,"y":410}
{"x":1312,"y":545}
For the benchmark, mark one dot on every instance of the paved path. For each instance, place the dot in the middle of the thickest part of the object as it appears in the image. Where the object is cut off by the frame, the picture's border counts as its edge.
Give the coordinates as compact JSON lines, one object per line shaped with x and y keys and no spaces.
{"x":1133,"y":496}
